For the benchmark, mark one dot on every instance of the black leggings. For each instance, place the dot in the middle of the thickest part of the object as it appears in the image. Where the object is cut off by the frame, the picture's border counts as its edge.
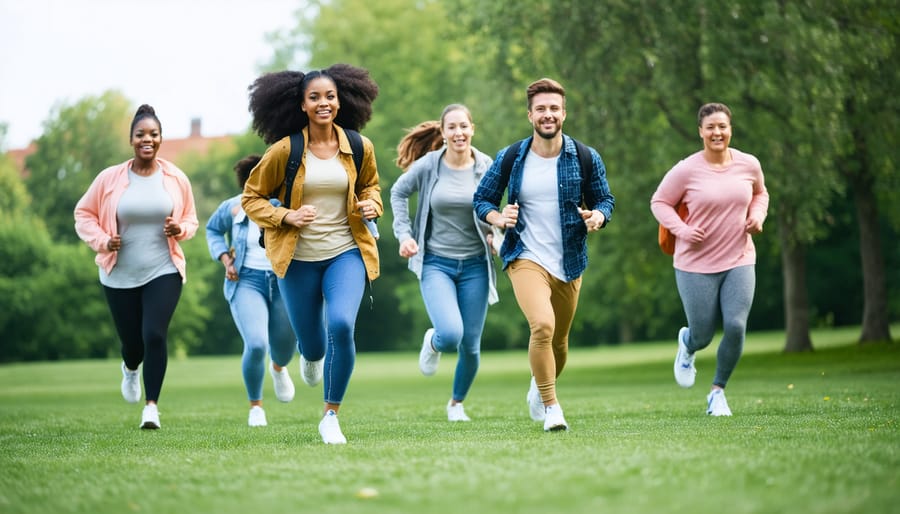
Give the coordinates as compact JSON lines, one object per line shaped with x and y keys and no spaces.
{"x":142,"y":315}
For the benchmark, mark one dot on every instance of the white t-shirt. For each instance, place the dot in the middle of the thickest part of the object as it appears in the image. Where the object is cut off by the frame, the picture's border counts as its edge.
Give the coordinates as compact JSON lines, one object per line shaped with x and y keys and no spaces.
{"x":539,"y":212}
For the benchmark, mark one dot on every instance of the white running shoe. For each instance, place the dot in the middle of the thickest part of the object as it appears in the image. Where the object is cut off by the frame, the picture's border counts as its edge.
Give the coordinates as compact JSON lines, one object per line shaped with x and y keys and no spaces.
{"x":428,"y":357}
{"x":535,"y":405}
{"x":311,"y":371}
{"x":150,"y":417}
{"x":456,"y":412}
{"x":716,"y":405}
{"x":257,"y":417}
{"x":131,"y":385}
{"x":684,"y":362}
{"x":284,"y":386}
{"x":554,"y":419}
{"x":330,"y":429}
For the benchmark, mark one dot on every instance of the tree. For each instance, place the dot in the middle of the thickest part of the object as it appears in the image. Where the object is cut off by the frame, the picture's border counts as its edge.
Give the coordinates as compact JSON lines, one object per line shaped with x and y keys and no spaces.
{"x":868,"y":37}
{"x":78,"y":142}
{"x":14,"y":198}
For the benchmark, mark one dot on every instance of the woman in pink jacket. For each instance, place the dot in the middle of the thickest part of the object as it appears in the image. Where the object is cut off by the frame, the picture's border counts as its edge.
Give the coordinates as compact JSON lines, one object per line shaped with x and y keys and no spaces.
{"x":726,"y":199}
{"x":133,"y":216}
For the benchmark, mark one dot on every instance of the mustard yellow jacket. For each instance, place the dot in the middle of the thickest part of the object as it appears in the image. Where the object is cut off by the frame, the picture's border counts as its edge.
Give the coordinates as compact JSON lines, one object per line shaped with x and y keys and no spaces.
{"x":268,"y":176}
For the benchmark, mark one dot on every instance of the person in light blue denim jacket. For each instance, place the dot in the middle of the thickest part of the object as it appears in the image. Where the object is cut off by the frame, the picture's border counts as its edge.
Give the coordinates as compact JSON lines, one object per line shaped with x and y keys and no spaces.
{"x":448,"y":248}
{"x":253,"y":296}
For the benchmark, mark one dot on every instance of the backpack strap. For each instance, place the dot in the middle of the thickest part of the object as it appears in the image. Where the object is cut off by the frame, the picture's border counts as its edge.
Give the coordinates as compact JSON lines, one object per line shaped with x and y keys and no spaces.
{"x":507,"y":163}
{"x":356,"y":145}
{"x":585,"y":161}
{"x":293,"y":164}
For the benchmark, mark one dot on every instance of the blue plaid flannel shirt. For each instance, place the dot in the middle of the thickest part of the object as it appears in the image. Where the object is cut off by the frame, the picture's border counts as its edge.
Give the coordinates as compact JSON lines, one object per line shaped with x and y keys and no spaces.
{"x":596,"y":197}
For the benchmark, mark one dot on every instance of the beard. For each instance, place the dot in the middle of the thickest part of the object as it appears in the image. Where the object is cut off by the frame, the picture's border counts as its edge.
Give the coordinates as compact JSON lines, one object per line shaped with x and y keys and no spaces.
{"x":552,"y":133}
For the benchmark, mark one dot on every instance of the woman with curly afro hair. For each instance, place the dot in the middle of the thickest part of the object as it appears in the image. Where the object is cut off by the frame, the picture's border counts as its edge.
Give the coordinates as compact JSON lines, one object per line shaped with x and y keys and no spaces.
{"x":318,"y":243}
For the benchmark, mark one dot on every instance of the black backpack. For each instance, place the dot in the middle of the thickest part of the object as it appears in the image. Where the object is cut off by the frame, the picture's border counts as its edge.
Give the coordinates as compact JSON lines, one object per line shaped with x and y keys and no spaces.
{"x":293,"y":164}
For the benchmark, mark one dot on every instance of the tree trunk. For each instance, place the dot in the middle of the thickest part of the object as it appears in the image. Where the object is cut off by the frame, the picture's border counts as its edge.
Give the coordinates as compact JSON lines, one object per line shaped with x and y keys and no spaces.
{"x":875,"y":322}
{"x":796,"y":298}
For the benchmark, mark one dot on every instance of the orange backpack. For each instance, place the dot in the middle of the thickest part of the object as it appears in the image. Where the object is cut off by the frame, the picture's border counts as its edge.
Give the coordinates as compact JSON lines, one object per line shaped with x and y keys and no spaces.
{"x":667,"y":239}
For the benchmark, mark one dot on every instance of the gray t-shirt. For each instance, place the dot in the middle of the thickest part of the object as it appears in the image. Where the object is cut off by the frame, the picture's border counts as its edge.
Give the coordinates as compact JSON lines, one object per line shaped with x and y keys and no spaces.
{"x":141,"y":216}
{"x":453,"y":233}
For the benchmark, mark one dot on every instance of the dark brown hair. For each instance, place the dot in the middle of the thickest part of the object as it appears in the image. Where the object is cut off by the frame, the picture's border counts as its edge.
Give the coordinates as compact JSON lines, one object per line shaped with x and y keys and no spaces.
{"x":710,"y":108}
{"x":243,"y":168}
{"x":544,"y":85}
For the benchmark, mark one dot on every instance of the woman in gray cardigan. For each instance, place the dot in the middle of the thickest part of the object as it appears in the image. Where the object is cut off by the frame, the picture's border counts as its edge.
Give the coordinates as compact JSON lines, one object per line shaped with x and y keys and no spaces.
{"x":448,"y":247}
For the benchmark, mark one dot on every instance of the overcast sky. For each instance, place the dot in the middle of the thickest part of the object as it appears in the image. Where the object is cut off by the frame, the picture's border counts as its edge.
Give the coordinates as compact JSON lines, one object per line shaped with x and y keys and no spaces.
{"x":186,"y":58}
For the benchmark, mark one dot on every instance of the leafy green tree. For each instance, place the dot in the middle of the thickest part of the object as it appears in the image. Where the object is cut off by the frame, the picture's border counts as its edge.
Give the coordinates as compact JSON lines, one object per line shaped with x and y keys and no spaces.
{"x":868,"y":34}
{"x":78,"y":142}
{"x":14,"y":198}
{"x":52,"y":303}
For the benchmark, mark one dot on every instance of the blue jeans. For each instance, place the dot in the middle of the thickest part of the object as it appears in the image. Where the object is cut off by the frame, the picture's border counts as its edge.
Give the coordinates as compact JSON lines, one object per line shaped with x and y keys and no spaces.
{"x":455,"y":292}
{"x":322,"y":300}
{"x":259,"y":314}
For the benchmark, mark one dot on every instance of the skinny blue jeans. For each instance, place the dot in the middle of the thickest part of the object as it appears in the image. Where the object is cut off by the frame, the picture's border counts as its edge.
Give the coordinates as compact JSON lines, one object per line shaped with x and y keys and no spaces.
{"x":705,"y":296}
{"x":455,"y":292}
{"x":259,"y":314}
{"x":322,"y":300}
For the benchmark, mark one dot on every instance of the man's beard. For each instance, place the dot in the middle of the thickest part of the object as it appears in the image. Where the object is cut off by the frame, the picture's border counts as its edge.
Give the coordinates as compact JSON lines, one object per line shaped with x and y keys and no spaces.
{"x":548,"y":135}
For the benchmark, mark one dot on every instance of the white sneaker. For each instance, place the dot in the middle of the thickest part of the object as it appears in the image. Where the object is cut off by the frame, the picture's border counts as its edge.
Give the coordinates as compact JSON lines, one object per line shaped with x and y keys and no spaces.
{"x":428,"y":358}
{"x":257,"y":417}
{"x":330,"y":429}
{"x":716,"y":405}
{"x":311,"y":371}
{"x":131,"y":385}
{"x":535,"y":405}
{"x":150,"y":417}
{"x":554,"y":419}
{"x":456,"y":412}
{"x":284,"y":386}
{"x":684,"y":362}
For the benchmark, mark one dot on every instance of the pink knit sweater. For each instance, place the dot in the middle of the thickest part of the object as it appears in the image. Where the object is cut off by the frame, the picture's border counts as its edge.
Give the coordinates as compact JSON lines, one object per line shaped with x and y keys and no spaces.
{"x":718,"y":200}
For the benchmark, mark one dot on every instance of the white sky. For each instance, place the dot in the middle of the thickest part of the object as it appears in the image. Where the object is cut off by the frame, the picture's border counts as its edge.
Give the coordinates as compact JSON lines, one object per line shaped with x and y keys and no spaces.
{"x":186,"y":58}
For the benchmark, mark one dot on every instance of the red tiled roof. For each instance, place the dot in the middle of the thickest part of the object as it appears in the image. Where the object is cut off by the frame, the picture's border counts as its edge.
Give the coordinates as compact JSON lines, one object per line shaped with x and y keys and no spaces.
{"x":18,"y":156}
{"x":171,"y":150}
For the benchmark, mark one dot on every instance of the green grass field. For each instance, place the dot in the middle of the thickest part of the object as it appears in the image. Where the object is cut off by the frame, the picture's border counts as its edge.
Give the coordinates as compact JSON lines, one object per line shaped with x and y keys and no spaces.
{"x":811,"y":433}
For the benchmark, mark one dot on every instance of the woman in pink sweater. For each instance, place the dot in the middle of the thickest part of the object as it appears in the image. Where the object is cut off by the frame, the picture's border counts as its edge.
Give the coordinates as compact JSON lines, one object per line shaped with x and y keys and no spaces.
{"x":726,"y":198}
{"x":133,"y":215}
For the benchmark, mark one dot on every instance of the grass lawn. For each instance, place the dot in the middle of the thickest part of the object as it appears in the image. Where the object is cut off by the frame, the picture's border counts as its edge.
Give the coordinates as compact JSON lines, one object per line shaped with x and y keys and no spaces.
{"x":811,"y":433}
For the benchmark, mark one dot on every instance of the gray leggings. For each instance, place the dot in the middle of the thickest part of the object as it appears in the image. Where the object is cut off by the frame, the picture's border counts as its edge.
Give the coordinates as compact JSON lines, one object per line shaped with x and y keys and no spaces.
{"x":703,"y":296}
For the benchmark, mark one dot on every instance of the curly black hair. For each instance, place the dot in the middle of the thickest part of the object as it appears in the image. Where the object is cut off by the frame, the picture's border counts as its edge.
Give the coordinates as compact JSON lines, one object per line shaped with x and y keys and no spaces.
{"x":243,"y":168}
{"x":144,"y":111}
{"x":275,"y":100}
